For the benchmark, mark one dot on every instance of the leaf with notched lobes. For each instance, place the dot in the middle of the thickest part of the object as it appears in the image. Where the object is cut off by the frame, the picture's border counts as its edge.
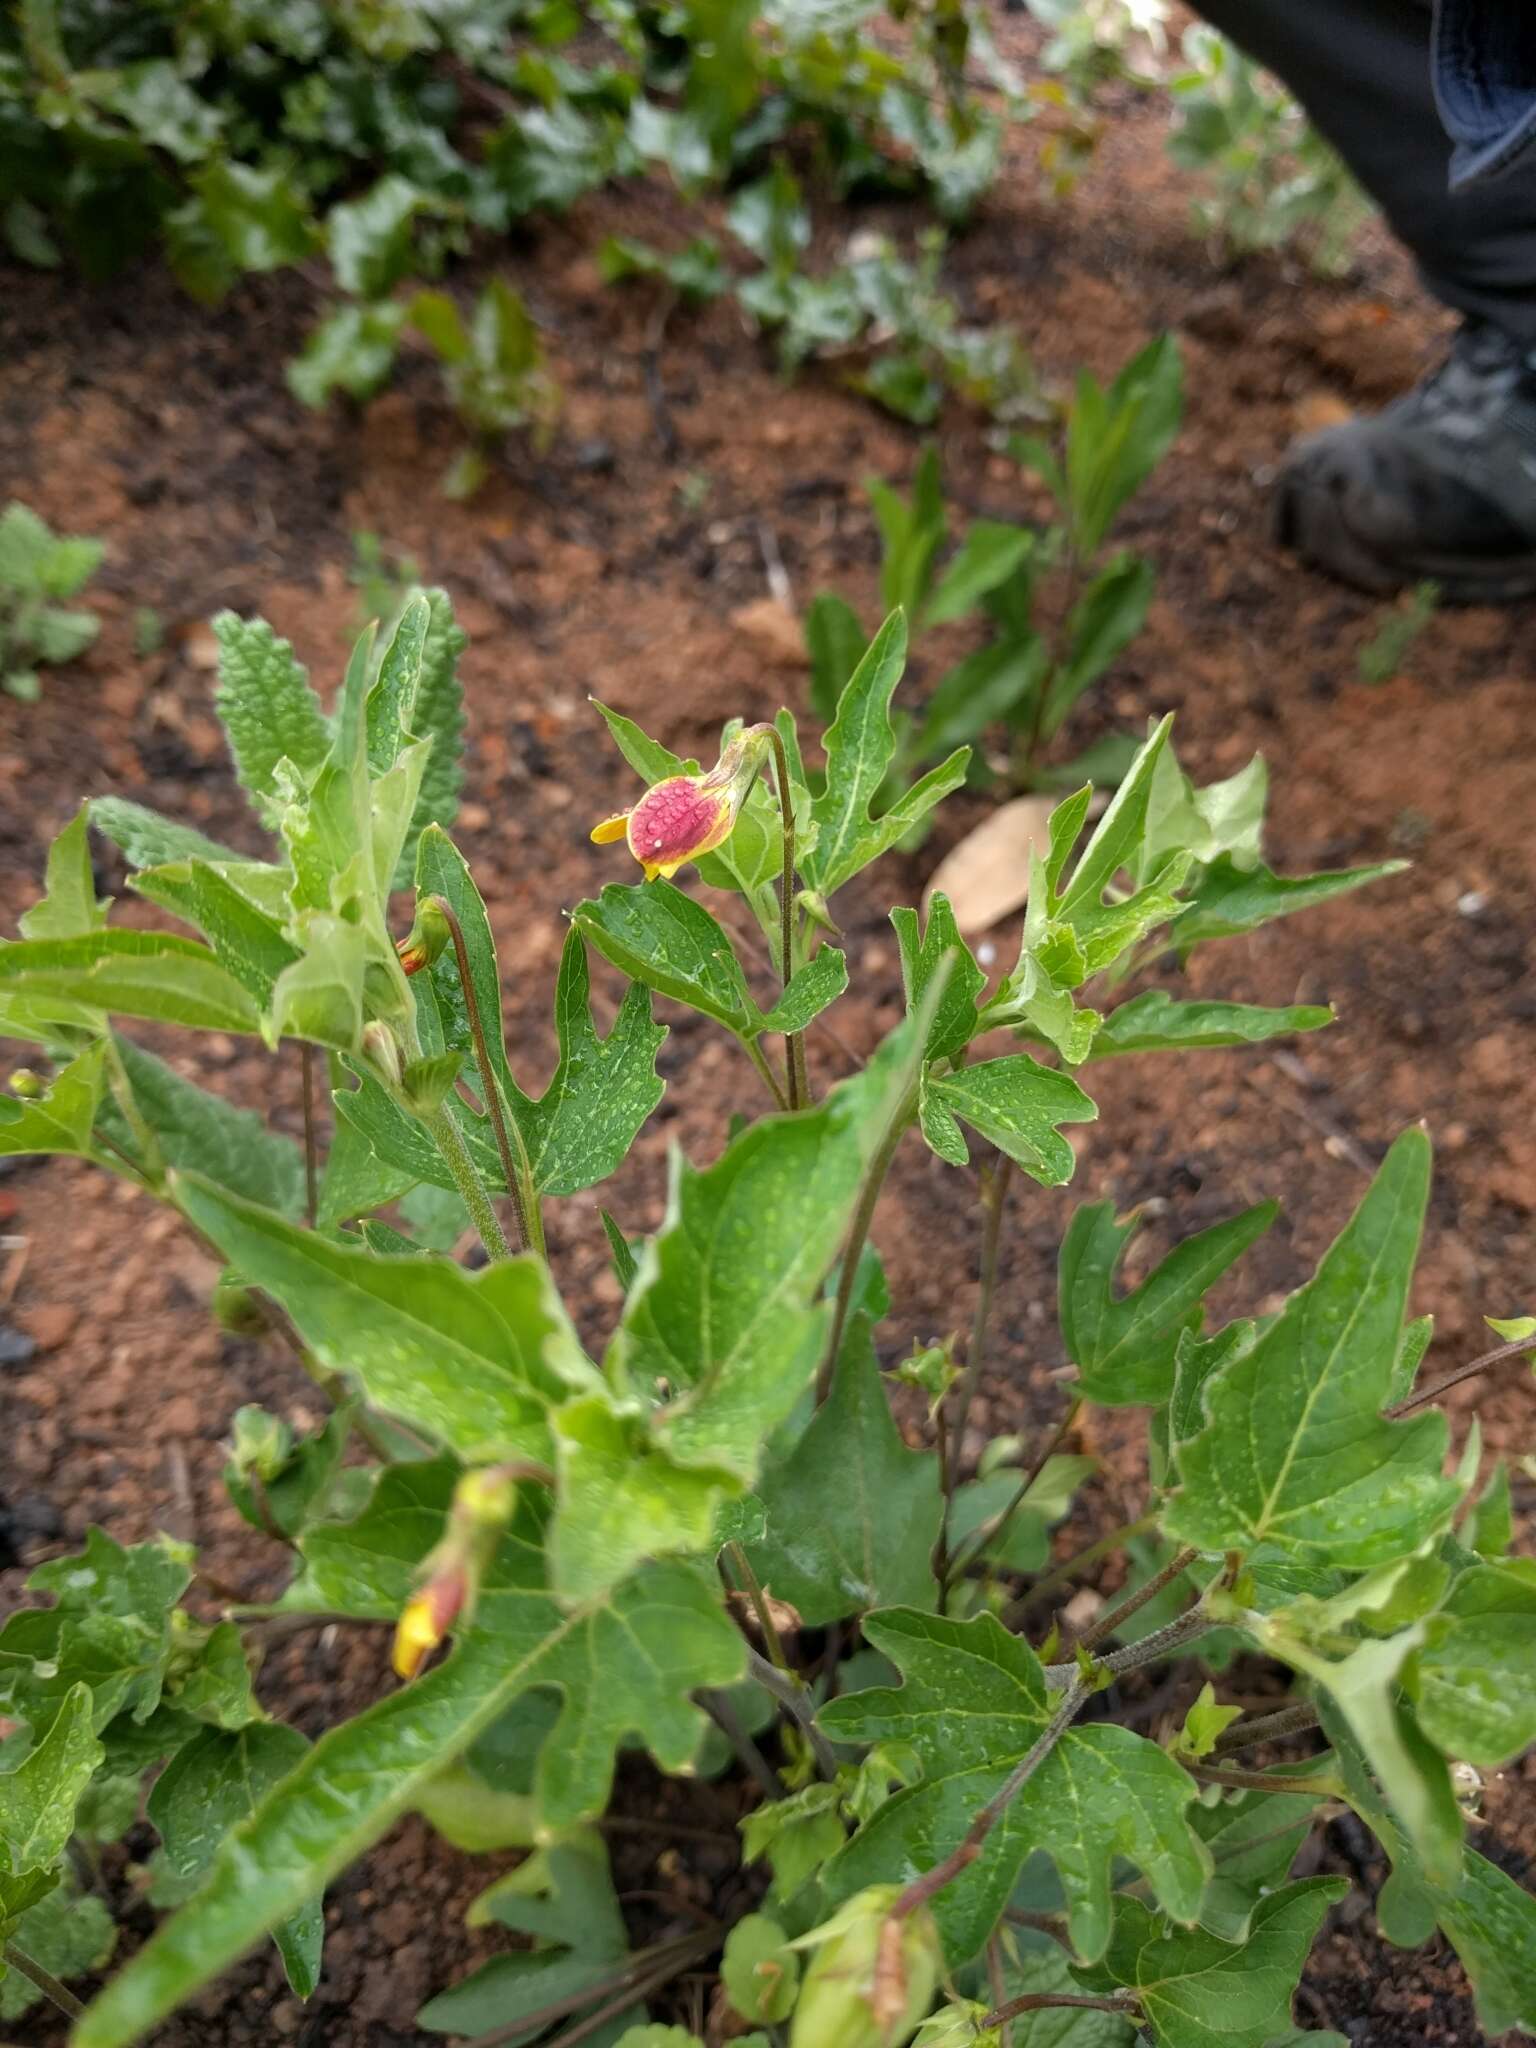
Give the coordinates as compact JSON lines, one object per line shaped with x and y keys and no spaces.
{"x":653,"y":1640}
{"x":974,"y":1702}
{"x":1125,"y":1346}
{"x":859,"y":746}
{"x":1228,"y":899}
{"x":1294,"y":1452}
{"x":940,"y":949}
{"x":852,"y":1514}
{"x":1016,"y":1103}
{"x":1197,"y":1991}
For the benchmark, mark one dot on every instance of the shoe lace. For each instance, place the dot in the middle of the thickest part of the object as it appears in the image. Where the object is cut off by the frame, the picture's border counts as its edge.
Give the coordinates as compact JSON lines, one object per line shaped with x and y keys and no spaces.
{"x":1482,"y":372}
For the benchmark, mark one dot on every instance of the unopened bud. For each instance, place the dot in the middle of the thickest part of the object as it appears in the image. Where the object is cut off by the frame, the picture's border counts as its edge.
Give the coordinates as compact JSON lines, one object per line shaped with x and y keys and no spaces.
{"x":382,"y":1048}
{"x":261,"y":1443}
{"x":26,"y":1084}
{"x":450,"y":1575}
{"x":427,"y":938}
{"x":873,"y":1975}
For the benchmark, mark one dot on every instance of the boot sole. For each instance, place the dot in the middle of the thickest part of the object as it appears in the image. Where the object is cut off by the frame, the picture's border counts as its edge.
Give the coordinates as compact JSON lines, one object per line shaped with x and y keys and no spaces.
{"x":1309,"y":522}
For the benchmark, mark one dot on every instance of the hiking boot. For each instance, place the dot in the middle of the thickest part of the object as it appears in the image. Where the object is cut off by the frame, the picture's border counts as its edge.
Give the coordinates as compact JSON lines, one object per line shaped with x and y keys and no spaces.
{"x":1440,"y":485}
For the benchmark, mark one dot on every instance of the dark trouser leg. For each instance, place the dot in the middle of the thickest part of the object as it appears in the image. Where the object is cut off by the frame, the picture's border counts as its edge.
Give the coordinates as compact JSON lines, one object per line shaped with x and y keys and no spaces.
{"x":1361,"y":68}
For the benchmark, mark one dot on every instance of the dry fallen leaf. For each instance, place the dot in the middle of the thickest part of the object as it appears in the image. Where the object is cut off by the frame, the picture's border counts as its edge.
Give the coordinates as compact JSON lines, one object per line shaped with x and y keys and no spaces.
{"x":986,"y":876}
{"x":772,"y":631}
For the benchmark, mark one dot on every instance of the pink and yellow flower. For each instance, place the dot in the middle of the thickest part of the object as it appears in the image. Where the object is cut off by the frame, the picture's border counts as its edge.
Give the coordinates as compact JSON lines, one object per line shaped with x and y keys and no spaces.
{"x":450,"y":1574}
{"x":683,"y":817}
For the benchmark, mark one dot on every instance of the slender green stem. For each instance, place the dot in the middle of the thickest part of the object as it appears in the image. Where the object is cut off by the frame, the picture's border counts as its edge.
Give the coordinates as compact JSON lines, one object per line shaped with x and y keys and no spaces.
{"x":797,"y":1703}
{"x":1110,"y":1621}
{"x":858,"y":1235}
{"x":759,"y":1060}
{"x":794,"y":1043}
{"x":758,"y":1600}
{"x":518,"y":1175}
{"x":1501,"y":1356}
{"x":1074,"y":1567}
{"x":965,"y":1852}
{"x":449,"y":1140}
{"x":311,"y":1169}
{"x":43,"y":1980}
{"x":991,"y":1531}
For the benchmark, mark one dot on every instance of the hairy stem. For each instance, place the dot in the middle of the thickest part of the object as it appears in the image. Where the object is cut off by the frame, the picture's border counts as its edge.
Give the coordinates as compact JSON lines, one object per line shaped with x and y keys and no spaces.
{"x":1522,"y":1346}
{"x":1108,"y":1623}
{"x":728,"y":1721}
{"x":1275,"y":1727}
{"x":1162,"y":1642}
{"x":1039,"y":2001}
{"x":858,"y":1235}
{"x":44,"y":1980}
{"x":794,"y":1042}
{"x":311,"y":1167}
{"x":519,"y":1178}
{"x":797,"y":1703}
{"x":1320,"y":1787}
{"x":449,"y":1140}
{"x":965,"y":1852}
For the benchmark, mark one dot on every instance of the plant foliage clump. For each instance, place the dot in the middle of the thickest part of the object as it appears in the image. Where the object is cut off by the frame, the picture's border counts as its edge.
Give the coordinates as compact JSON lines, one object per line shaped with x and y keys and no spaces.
{"x":626,"y":1543}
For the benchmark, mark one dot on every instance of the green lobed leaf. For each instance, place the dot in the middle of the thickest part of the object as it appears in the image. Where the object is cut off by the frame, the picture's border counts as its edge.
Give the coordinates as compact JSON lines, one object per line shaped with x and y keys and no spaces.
{"x":653,"y":1640}
{"x":134,"y":974}
{"x":563,"y":1897}
{"x":1125,"y":1346}
{"x":269,"y":711}
{"x":38,"y":1798}
{"x":64,"y":1116}
{"x":1471,"y":1682}
{"x":109,"y":1629}
{"x":69,"y":904}
{"x":809,"y":991}
{"x":1156,"y":1022}
{"x":659,"y":935}
{"x":213,"y":1785}
{"x":940,"y":948}
{"x":859,"y":748}
{"x":852,"y":1515}
{"x":1017,"y":1104}
{"x":1490,"y":1920}
{"x":1228,"y":899}
{"x":973,"y":1702}
{"x":1253,"y":1839}
{"x":473,"y":1359}
{"x":1197,"y":1991}
{"x":246,"y":935}
{"x":1038,"y":1970}
{"x":70,"y":1934}
{"x":1294,"y":1452}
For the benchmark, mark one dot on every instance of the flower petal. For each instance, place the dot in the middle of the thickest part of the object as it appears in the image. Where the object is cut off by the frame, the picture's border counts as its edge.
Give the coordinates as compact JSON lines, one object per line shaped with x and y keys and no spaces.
{"x":610,"y":829}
